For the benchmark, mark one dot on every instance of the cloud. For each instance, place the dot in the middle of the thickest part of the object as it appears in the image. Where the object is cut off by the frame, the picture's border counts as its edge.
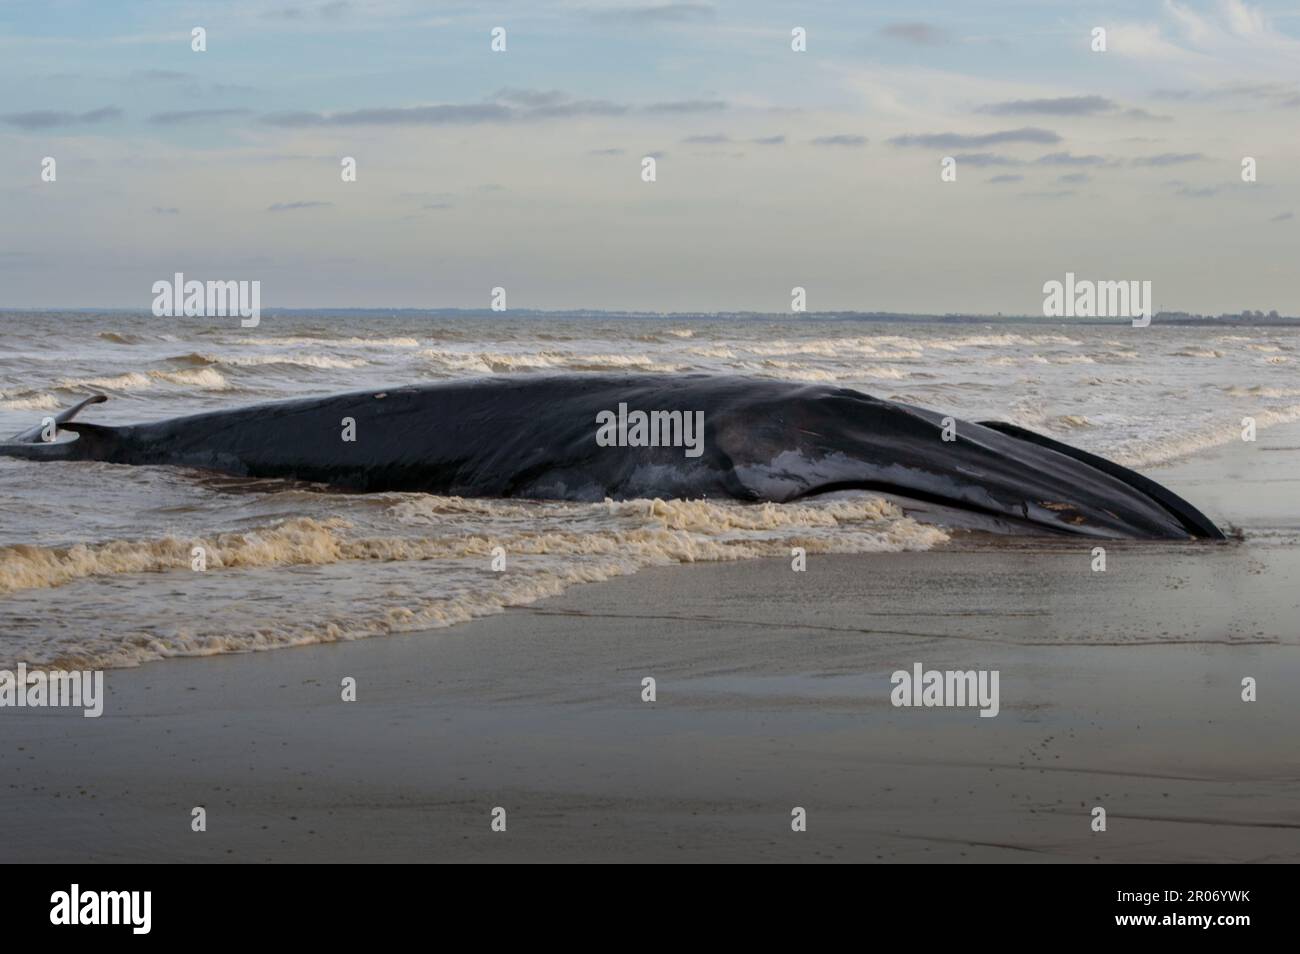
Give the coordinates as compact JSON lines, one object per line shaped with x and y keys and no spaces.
{"x":48,"y":119}
{"x":982,"y":160}
{"x":1231,"y":33}
{"x":707,"y":140}
{"x":1061,"y":106}
{"x":1275,"y":93}
{"x":662,"y":13}
{"x":530,"y":97}
{"x":1069,"y":106}
{"x":1283,"y":217}
{"x":607,"y":152}
{"x":293,"y":206}
{"x":1168,"y":159}
{"x":160,"y":210}
{"x":164,"y":75}
{"x":1202,"y":192}
{"x":581,"y":107}
{"x":920,"y":34}
{"x":843,"y":139}
{"x":1057,"y":194}
{"x":397,"y":116}
{"x":769,"y":141}
{"x":1143,"y":115}
{"x":948,"y":140}
{"x":437,"y":205}
{"x":507,"y":105}
{"x":193,"y":115}
{"x":997,"y":180}
{"x":1069,"y":159}
{"x":328,"y":11}
{"x":687,"y":106}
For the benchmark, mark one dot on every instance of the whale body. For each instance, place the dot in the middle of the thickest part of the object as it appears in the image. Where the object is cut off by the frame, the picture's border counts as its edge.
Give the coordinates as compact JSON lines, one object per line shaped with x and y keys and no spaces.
{"x":578,"y":437}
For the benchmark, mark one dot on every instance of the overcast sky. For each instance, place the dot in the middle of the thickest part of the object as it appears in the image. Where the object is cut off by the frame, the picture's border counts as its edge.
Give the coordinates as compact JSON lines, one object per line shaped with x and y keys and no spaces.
{"x":775,"y":168}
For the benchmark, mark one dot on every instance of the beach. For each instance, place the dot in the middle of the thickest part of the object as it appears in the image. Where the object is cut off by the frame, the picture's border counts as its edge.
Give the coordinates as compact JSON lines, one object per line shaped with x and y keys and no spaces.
{"x":1120,"y":689}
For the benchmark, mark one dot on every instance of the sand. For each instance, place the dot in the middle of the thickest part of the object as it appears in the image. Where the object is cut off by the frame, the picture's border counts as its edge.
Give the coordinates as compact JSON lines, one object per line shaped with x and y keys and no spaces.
{"x":1119,"y":689}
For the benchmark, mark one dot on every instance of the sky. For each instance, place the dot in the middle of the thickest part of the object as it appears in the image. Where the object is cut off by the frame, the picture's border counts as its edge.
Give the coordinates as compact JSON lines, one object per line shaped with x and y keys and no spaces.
{"x":774,"y":168}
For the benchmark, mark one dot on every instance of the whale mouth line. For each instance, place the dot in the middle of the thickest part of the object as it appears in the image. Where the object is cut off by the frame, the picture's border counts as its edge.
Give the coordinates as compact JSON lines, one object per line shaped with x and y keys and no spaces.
{"x":903,"y":495}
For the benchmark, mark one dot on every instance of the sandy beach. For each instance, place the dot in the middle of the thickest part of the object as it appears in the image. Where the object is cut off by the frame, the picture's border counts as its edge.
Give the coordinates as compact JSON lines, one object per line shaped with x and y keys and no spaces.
{"x":1119,"y":689}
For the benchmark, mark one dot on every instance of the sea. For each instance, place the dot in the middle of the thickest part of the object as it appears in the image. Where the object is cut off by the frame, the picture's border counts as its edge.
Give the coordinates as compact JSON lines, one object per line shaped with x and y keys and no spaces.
{"x":97,"y":565}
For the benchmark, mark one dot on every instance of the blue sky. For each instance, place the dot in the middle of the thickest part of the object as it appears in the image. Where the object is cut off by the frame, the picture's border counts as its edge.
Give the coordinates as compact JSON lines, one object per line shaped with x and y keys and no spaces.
{"x":775,"y":168}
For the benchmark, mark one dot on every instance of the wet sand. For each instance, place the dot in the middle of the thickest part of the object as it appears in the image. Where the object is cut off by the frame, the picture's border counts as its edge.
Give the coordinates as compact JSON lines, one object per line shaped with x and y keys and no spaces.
{"x":1119,"y":689}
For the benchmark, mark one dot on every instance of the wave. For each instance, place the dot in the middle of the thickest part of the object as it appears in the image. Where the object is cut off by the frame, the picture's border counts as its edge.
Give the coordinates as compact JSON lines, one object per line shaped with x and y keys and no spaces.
{"x":1162,"y":450}
{"x":489,"y":362}
{"x":40,"y":402}
{"x":400,"y":341}
{"x":572,"y":543}
{"x":652,"y":525}
{"x":320,"y":361}
{"x":207,"y":379}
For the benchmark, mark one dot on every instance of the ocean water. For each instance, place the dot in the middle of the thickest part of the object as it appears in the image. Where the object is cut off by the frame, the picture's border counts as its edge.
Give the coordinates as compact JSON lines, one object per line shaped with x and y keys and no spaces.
{"x":95,"y":565}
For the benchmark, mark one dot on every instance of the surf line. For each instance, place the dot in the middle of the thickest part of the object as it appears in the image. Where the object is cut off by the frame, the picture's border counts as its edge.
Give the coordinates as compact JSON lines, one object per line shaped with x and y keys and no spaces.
{"x":651,"y":429}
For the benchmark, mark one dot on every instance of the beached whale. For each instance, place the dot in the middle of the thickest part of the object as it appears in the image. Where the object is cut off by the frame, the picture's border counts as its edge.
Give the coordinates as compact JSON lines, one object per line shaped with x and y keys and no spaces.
{"x":588,"y":437}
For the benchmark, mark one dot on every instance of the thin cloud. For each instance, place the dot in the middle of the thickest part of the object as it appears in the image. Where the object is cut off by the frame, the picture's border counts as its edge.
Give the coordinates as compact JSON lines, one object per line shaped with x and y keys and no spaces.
{"x":919,"y":34}
{"x":1143,"y":115}
{"x":1074,"y":178}
{"x":661,"y":13}
{"x":998,"y":180}
{"x":328,"y":11}
{"x":1069,"y":106}
{"x":49,"y":119}
{"x":1283,"y":217}
{"x":1069,"y":159}
{"x":161,"y":75}
{"x":508,"y":105}
{"x":1061,"y":106}
{"x":607,"y":152}
{"x":194,"y":115}
{"x":688,"y":106}
{"x":769,"y":141}
{"x":1284,"y":94}
{"x":530,"y":97}
{"x":843,"y":139}
{"x":948,"y":140}
{"x":712,"y":139}
{"x":981,"y":160}
{"x":397,"y":116}
{"x":1168,"y":159}
{"x":294,"y":206}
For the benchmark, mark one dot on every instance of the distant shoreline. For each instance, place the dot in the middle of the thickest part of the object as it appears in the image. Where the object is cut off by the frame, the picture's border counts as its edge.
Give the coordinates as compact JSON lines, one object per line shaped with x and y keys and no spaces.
{"x":1165,"y":318}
